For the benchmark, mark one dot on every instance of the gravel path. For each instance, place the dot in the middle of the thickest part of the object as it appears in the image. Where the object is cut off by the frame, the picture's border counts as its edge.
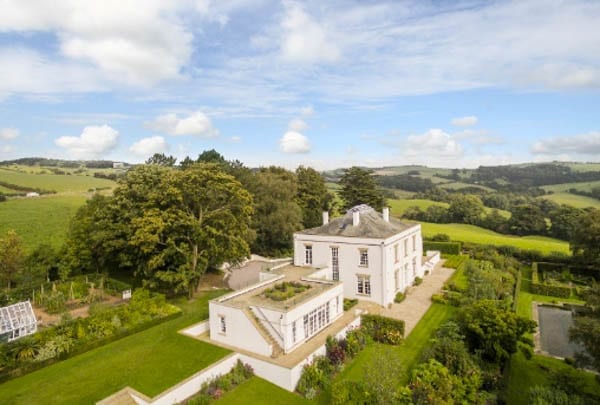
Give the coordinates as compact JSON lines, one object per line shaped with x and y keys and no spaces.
{"x":418,"y":299}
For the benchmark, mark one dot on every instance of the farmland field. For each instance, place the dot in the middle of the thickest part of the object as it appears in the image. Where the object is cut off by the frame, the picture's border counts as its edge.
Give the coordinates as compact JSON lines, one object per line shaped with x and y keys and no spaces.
{"x":55,"y":182}
{"x":39,"y":220}
{"x":398,"y":206}
{"x":583,"y":186}
{"x":577,"y":201}
{"x":475,"y":234}
{"x":457,"y":185}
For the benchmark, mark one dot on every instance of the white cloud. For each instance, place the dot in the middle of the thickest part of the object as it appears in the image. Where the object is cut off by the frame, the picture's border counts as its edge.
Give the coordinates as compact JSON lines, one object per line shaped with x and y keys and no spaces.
{"x":93,"y":142}
{"x":297,"y":125}
{"x":7,"y":149}
{"x":478,"y":137}
{"x":130,"y":41}
{"x":8,"y":133}
{"x":307,"y":111}
{"x":434,"y":143}
{"x":465,"y":121}
{"x":236,"y":139}
{"x":304,"y":39}
{"x":147,"y":147}
{"x":197,"y":124}
{"x":294,"y":142}
{"x":583,"y":144}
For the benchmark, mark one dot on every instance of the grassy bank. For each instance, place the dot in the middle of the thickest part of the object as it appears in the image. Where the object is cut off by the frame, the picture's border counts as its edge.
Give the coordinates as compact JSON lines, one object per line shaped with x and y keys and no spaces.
{"x":150,"y":361}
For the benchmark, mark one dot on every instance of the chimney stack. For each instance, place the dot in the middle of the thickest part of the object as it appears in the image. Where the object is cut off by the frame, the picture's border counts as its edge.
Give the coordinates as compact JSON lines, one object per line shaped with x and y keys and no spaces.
{"x":386,"y":214}
{"x":355,"y":218}
{"x":325,"y":217}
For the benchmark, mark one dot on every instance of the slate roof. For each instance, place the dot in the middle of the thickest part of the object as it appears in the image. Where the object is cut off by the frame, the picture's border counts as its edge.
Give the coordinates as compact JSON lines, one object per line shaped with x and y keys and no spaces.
{"x":371,"y":225}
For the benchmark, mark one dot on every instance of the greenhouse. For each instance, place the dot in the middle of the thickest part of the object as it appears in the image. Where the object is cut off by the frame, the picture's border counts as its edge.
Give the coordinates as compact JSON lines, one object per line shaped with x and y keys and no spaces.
{"x":16,"y":321}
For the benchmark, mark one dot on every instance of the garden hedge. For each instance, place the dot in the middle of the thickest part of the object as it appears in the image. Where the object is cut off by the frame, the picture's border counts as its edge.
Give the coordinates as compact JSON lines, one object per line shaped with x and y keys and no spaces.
{"x":449,"y":248}
{"x":383,"y":329}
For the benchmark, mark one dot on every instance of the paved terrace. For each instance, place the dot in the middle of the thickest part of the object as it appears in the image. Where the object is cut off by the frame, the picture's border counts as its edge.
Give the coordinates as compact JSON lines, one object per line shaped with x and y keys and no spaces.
{"x":418,"y":298}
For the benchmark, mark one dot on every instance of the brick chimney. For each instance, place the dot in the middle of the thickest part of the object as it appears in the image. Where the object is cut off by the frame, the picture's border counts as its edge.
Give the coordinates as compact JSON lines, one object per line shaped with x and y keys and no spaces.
{"x":386,"y":214}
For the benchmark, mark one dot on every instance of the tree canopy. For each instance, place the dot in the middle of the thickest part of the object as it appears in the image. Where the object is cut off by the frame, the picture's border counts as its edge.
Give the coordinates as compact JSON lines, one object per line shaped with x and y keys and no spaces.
{"x":359,"y":187}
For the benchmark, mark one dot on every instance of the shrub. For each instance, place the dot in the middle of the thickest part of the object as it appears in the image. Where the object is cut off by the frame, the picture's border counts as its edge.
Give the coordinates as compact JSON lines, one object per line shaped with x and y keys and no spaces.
{"x":356,"y":340}
{"x":439,"y":298}
{"x":349,"y":303}
{"x":418,"y":281}
{"x":348,"y":392}
{"x":400,"y":296}
{"x":383,"y":329}
{"x":336,"y":350}
{"x":440,"y":237}
{"x":314,"y":377}
{"x":285,"y":290}
{"x":215,"y":388}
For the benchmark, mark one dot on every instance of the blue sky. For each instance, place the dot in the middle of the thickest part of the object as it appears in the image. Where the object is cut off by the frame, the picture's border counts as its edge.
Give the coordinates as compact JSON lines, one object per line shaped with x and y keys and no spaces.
{"x":326,"y":84}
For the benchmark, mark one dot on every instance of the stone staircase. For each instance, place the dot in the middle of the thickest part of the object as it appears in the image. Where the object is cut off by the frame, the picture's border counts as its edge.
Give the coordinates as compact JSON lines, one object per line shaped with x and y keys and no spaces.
{"x":277,"y":350}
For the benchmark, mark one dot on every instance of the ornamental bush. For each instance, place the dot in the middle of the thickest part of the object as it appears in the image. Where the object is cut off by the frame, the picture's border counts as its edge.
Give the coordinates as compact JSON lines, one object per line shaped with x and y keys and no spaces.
{"x":383,"y":329}
{"x":399,"y":297}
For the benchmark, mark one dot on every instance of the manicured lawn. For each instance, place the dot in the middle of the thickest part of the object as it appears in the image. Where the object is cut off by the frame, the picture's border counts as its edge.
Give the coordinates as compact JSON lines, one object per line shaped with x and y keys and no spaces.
{"x":39,"y":220}
{"x":259,"y":391}
{"x":55,"y":182}
{"x":524,"y":374}
{"x":150,"y":362}
{"x":459,"y":278}
{"x":574,"y":200}
{"x":410,"y":351}
{"x":475,"y":234}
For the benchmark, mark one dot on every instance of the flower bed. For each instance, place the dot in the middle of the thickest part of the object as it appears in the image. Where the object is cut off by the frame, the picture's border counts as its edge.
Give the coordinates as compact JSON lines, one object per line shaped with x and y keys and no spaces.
{"x":215,"y":388}
{"x":286,"y":290}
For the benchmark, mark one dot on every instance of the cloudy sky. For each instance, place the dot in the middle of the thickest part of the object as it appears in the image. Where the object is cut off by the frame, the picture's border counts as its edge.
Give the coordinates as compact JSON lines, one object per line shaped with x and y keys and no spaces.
{"x":327,"y":84}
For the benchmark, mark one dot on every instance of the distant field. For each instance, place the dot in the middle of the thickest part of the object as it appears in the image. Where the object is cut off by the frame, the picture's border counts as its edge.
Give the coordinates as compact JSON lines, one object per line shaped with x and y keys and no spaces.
{"x":39,"y":220}
{"x":456,"y":185}
{"x":577,"y":201}
{"x":59,"y":183}
{"x":583,"y":186}
{"x":584,"y":167}
{"x":399,"y":206}
{"x":423,"y":171}
{"x":475,"y":234}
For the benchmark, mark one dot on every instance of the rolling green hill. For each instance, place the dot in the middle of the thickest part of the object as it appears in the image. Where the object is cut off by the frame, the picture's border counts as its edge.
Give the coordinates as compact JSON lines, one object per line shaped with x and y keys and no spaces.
{"x":574,"y":200}
{"x":583,"y":186}
{"x":55,"y":182}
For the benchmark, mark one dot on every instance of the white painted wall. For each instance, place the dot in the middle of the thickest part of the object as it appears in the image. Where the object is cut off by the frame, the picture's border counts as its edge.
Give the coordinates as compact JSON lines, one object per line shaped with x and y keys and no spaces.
{"x":382,"y":262}
{"x":240,"y":331}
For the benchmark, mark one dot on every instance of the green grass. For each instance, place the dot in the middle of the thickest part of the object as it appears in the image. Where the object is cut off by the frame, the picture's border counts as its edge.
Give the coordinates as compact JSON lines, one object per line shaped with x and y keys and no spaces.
{"x":457,"y":185}
{"x":39,"y":220}
{"x":475,"y":234}
{"x":459,"y":278}
{"x":58,"y":183}
{"x":524,"y":374}
{"x":574,"y":200}
{"x":565,"y":187}
{"x":150,"y":362}
{"x":410,"y":351}
{"x":258,"y":391}
{"x":397,"y":207}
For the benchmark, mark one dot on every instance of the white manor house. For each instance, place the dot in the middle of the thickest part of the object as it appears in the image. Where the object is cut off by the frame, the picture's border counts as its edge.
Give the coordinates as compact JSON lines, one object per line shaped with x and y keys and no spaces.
{"x":363,"y":255}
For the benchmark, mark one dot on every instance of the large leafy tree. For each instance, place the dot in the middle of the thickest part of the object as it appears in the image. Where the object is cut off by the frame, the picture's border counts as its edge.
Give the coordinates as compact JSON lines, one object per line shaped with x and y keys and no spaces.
{"x":161,"y":159}
{"x":493,"y":331}
{"x":359,"y":187}
{"x":198,"y":217}
{"x":466,"y":209}
{"x":277,"y":214}
{"x":564,"y":221}
{"x":166,"y":225}
{"x":527,"y":219}
{"x":312,"y":196}
{"x":585,"y":240}
{"x":11,"y":258}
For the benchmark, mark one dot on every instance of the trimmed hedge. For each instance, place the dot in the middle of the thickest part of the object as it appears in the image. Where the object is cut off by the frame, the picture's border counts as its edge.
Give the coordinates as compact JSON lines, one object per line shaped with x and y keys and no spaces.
{"x":448,"y":248}
{"x":547,"y":289}
{"x":400,"y":296}
{"x":383,"y":329}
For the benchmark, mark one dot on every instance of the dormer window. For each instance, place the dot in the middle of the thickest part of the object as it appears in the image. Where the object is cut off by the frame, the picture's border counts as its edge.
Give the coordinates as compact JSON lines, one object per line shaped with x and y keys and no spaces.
{"x":308,"y":258}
